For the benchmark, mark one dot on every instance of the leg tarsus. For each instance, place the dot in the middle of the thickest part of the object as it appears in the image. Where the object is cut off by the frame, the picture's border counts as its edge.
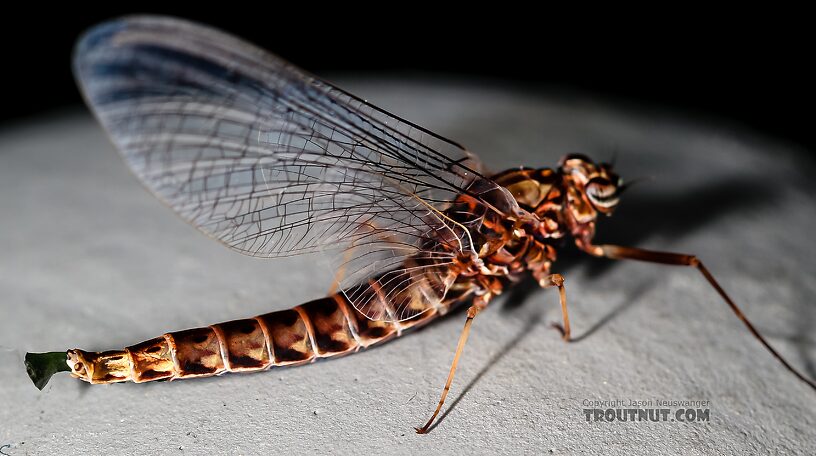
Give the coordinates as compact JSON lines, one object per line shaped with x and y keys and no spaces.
{"x":560,"y":328}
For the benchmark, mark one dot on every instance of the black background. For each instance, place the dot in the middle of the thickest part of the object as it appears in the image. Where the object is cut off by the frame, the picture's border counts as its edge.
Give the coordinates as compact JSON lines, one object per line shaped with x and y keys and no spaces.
{"x":754,"y":72}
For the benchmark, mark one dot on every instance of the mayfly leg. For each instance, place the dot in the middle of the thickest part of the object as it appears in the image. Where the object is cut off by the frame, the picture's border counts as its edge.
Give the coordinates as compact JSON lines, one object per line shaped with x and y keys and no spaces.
{"x":480,"y":302}
{"x":471,"y":314}
{"x":557,"y":280}
{"x":631,"y":253}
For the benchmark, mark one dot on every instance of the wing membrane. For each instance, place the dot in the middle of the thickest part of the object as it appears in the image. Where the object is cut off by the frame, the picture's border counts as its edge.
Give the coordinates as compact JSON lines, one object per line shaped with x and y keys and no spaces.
{"x":270,"y":160}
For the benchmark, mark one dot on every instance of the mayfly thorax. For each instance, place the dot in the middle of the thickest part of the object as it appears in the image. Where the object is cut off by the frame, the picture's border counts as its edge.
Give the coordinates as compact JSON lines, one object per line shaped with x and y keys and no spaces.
{"x":272,"y":161}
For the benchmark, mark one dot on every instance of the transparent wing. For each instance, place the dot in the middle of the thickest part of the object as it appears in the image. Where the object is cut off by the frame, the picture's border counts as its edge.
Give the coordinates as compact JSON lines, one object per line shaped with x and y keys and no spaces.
{"x":270,"y":160}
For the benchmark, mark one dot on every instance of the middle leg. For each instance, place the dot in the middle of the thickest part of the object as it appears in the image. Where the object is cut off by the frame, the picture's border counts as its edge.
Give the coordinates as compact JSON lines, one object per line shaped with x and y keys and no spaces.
{"x":557,"y":280}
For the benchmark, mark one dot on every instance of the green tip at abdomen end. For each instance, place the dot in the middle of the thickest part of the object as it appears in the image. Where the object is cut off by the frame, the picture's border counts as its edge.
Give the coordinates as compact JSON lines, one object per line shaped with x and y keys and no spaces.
{"x":41,"y":366}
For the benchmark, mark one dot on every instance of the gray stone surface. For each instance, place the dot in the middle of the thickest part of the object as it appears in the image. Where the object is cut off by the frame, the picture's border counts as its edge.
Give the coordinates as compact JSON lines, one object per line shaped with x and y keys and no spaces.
{"x":89,"y":259}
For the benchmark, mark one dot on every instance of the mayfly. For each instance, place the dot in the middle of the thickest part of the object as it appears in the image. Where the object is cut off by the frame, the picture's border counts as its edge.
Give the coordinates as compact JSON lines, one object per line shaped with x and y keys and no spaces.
{"x":272,"y":161}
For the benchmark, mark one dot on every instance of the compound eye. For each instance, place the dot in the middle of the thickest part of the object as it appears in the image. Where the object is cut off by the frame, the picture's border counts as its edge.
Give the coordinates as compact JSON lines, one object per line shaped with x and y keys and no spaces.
{"x":602,"y":193}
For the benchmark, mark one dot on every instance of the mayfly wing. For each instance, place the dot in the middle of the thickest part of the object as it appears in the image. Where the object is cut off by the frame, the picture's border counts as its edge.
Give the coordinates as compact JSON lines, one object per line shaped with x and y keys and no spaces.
{"x":272,"y":161}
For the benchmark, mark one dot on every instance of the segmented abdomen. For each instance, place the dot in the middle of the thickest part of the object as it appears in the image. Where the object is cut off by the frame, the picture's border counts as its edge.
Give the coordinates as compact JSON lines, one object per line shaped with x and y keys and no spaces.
{"x":318,"y":329}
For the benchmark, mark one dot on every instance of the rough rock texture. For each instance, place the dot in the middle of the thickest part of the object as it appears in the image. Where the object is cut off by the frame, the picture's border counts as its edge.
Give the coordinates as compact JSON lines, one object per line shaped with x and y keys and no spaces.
{"x":89,"y":259}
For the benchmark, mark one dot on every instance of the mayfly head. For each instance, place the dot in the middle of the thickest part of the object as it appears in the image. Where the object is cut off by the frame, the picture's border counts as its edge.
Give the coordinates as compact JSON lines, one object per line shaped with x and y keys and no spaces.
{"x":596,"y":185}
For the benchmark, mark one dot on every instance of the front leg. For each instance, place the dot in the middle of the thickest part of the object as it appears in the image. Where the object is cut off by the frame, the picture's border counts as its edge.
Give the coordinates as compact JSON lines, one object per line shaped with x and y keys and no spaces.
{"x":617,"y":252}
